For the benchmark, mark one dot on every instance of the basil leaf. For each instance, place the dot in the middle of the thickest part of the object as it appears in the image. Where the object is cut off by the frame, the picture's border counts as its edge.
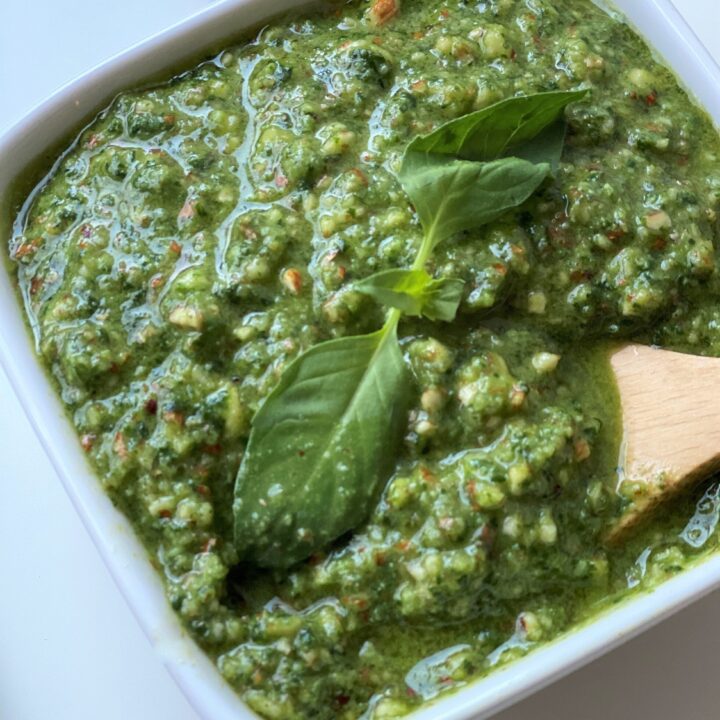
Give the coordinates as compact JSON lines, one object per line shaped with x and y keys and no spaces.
{"x":442,"y":299}
{"x":414,"y":292}
{"x":497,"y":130}
{"x":546,"y":147}
{"x":452,"y":195}
{"x":320,"y":447}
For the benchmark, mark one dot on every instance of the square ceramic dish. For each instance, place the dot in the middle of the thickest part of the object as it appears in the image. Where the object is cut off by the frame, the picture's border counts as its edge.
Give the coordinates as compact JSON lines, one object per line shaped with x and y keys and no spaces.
{"x":62,"y":114}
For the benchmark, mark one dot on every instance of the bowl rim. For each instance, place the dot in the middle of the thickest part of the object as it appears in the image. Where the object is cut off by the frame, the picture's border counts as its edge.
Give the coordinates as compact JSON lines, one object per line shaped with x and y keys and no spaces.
{"x":60,"y":116}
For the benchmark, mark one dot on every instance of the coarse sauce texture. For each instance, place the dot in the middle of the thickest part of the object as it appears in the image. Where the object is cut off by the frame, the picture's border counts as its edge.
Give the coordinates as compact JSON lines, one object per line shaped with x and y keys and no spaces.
{"x":201,"y":233}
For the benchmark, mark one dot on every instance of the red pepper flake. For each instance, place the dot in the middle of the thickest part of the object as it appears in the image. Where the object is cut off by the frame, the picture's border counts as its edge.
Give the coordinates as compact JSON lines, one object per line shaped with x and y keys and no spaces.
{"x":445,"y":13}
{"x":418,"y":35}
{"x":428,"y":476}
{"x":342,"y":700}
{"x":683,"y":160}
{"x":377,"y":40}
{"x":169,"y":119}
{"x":614,"y":235}
{"x":87,"y":442}
{"x":156,"y":281}
{"x":651,"y":99}
{"x":403,"y":545}
{"x":360,"y":175}
{"x":342,"y":272}
{"x":500,"y":269}
{"x":175,"y":247}
{"x":35,"y":284}
{"x":165,"y":514}
{"x":215,"y":449}
{"x":93,"y":141}
{"x":151,"y":406}
{"x":281,"y":181}
{"x":410,"y":692}
{"x":203,"y":490}
{"x":26,"y":248}
{"x":486,"y":536}
{"x":513,"y":54}
{"x":470,"y":488}
{"x":659,"y":243}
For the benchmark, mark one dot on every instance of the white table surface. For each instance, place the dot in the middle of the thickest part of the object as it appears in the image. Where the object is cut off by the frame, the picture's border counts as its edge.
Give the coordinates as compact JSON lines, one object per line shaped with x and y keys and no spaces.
{"x":69,"y":646}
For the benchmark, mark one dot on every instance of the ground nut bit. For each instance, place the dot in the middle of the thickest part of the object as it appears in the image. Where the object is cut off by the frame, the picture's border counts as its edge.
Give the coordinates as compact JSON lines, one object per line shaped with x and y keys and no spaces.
{"x":658,"y":220}
{"x":187,"y":317}
{"x":545,"y":362}
{"x":381,"y":11}
{"x":433,"y":399}
{"x":292,"y":280}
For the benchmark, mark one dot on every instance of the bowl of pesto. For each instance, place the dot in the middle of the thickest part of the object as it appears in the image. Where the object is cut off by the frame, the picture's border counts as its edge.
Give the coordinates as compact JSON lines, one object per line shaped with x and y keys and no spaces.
{"x":325,"y":316}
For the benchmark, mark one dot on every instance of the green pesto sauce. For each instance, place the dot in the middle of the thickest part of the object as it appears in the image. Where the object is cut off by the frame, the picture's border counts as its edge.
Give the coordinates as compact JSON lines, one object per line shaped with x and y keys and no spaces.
{"x":199,"y":234}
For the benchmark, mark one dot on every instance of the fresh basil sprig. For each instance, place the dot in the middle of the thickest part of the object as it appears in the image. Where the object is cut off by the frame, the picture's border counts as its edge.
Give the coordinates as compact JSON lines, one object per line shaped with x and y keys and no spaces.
{"x":324,"y":440}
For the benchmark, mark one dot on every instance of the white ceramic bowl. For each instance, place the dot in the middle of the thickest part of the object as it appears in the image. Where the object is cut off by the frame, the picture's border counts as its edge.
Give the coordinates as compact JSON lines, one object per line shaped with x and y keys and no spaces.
{"x":61,"y":115}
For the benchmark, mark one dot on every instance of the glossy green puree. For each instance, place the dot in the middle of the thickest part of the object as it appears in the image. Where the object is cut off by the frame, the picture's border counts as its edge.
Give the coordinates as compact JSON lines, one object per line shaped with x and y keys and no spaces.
{"x":199,"y":234}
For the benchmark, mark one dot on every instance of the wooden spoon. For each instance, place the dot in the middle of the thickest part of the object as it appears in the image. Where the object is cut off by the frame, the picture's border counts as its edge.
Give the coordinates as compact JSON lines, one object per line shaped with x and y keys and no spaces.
{"x":671,"y":425}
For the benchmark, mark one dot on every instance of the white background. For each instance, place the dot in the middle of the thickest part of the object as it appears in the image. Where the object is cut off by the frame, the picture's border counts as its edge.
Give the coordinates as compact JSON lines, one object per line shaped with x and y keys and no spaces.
{"x":69,"y":646}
